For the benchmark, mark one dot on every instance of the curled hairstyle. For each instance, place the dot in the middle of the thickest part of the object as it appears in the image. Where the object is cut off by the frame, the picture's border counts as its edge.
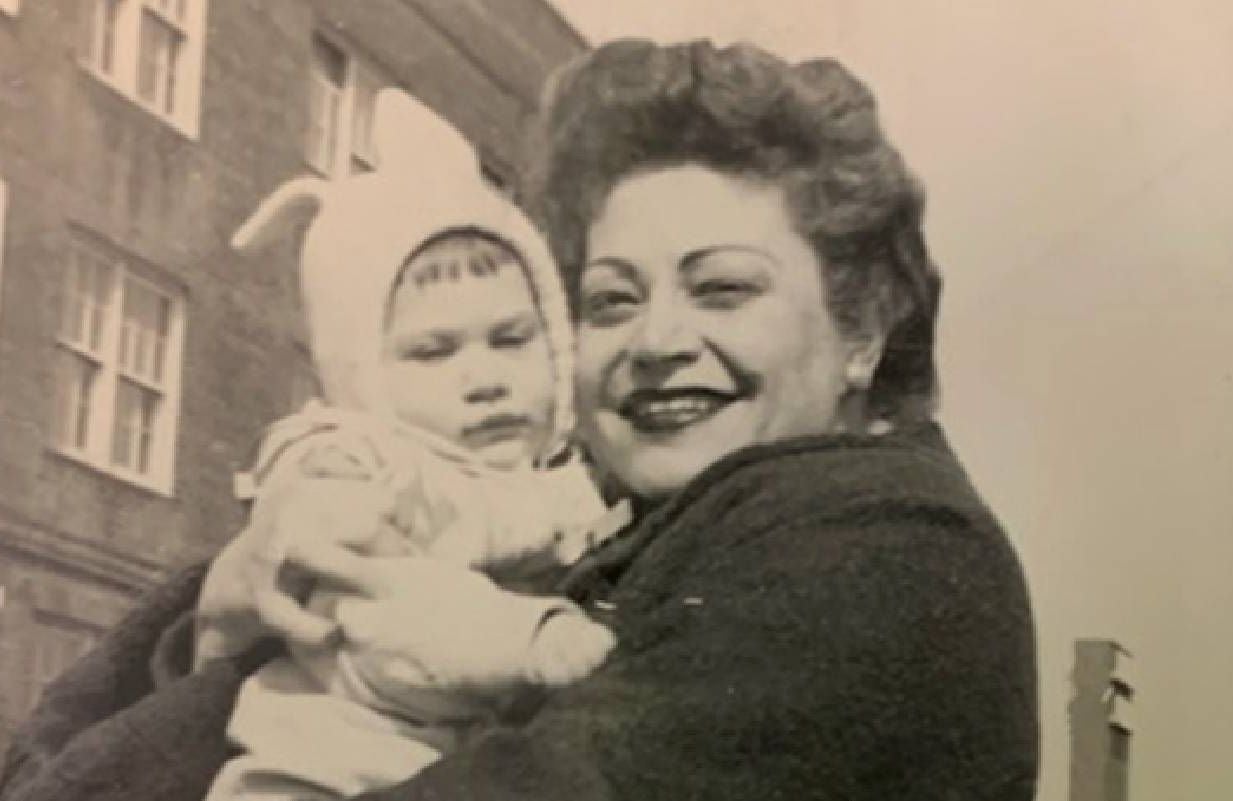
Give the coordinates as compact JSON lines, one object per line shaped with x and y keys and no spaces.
{"x":810,"y":128}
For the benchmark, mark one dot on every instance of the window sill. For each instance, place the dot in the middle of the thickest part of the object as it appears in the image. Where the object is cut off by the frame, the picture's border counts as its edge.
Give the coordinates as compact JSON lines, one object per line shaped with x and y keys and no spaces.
{"x":176,"y":124}
{"x":136,"y":480}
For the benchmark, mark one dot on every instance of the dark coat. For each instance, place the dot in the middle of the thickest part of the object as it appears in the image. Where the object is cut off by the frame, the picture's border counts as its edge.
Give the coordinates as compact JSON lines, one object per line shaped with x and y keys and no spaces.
{"x":825,"y":618}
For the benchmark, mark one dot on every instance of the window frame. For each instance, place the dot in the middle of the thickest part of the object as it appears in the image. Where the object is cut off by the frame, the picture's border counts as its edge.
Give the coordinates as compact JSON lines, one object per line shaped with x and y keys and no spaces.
{"x":101,"y":424}
{"x":361,"y":78}
{"x":125,"y":49}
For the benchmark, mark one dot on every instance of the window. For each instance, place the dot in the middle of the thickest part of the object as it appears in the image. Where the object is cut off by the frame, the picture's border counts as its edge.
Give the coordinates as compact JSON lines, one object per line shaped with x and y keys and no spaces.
{"x":342,"y":92}
{"x":150,"y":50}
{"x":10,"y":6}
{"x":364,"y":106}
{"x":117,"y":369}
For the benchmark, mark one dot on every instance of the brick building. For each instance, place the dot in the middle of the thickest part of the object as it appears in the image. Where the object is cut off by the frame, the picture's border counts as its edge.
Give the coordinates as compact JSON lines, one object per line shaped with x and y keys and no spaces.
{"x":139,"y":358}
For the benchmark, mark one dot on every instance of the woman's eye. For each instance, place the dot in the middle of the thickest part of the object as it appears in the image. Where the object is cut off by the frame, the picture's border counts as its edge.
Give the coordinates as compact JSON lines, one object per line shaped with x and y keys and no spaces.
{"x":725,"y":293}
{"x":608,"y":306}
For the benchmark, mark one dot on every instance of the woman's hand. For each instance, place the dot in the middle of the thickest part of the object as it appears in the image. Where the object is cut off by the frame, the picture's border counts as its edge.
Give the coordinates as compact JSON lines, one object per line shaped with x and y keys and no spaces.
{"x":300,"y":533}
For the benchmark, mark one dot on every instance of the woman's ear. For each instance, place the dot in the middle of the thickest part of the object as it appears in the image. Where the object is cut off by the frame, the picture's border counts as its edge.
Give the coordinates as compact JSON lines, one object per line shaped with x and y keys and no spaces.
{"x":864,"y":355}
{"x":866,"y":346}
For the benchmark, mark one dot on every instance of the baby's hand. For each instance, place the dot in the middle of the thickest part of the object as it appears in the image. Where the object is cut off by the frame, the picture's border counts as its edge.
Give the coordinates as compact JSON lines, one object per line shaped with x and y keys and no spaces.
{"x":300,"y":533}
{"x":568,"y":647}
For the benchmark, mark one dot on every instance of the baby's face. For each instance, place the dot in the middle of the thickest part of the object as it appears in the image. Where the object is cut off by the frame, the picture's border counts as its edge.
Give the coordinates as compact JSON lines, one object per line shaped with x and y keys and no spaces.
{"x":465,"y":356}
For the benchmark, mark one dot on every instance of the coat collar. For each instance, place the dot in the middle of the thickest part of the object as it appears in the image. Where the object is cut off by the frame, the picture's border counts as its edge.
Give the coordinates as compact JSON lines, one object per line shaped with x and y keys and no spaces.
{"x":599,"y":569}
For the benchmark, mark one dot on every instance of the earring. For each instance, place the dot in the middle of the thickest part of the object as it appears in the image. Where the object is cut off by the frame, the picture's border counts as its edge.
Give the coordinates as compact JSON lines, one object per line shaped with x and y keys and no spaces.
{"x":880,"y":428}
{"x":858,"y":373}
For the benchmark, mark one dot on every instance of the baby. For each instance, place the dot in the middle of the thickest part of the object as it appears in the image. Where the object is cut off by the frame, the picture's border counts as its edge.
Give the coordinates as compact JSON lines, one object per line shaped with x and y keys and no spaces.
{"x":440,"y":334}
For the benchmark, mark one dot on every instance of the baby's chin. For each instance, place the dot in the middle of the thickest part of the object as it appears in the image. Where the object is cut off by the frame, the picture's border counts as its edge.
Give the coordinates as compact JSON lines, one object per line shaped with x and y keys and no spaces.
{"x":505,"y":455}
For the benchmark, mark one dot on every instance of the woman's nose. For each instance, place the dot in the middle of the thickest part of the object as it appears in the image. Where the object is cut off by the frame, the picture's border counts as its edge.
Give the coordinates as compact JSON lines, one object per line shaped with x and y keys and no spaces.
{"x":486,"y":392}
{"x":664,"y":339}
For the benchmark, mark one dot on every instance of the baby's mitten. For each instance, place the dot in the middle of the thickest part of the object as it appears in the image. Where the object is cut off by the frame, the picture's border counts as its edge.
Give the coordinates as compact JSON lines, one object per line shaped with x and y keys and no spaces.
{"x":445,"y":627}
{"x":568,"y":646}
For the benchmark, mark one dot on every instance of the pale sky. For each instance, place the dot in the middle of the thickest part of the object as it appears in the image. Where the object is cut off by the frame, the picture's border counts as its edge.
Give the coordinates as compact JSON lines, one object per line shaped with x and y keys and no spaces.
{"x":1079,"y":160}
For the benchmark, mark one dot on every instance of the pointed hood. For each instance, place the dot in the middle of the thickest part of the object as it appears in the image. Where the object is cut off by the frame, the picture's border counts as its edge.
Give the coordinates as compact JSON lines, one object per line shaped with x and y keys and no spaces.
{"x":364,"y":227}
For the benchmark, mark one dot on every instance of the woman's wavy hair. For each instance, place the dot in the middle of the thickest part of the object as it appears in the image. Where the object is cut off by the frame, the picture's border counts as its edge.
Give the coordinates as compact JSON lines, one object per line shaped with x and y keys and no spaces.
{"x":811,"y":128}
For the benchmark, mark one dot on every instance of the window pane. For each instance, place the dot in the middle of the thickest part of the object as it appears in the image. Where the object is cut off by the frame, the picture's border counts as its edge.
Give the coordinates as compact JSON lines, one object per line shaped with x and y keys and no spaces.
{"x":143,"y":331}
{"x":366,"y":89}
{"x":99,"y":40}
{"x":156,"y":61}
{"x":162,"y":328}
{"x":324,"y":101}
{"x":173,"y":69}
{"x":75,"y":376}
{"x":123,"y":425}
{"x":99,"y":299}
{"x":133,"y":430}
{"x":129,"y":327}
{"x":329,"y":62}
{"x":327,"y":75}
{"x":87,"y":289}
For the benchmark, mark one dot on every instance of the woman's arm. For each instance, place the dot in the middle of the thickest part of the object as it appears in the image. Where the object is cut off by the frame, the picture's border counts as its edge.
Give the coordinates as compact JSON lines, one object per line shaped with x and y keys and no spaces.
{"x":133,"y":717}
{"x":96,"y":732}
{"x":885,"y":655}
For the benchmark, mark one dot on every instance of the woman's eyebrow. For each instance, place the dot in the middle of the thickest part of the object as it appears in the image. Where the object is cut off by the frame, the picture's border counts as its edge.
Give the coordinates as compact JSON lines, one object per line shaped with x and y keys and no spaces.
{"x":694,"y":258}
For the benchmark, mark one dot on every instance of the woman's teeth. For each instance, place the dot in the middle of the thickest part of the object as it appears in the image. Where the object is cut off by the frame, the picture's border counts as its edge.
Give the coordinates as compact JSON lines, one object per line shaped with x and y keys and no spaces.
{"x":672,"y":413}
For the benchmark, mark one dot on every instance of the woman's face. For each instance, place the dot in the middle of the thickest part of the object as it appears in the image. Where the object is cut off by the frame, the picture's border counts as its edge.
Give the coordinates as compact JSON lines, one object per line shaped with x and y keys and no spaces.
{"x":703,"y":328}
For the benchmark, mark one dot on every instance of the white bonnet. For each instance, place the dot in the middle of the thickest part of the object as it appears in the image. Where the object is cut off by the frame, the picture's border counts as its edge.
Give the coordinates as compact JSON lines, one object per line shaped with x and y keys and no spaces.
{"x":364,"y":227}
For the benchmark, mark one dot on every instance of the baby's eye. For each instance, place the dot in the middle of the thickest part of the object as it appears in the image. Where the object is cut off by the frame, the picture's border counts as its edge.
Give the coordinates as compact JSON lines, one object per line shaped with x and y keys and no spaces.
{"x":426,"y":351}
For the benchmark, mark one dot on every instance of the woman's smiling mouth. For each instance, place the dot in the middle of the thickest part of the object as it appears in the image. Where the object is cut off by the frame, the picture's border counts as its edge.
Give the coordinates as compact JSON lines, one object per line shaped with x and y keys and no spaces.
{"x":654,"y":411}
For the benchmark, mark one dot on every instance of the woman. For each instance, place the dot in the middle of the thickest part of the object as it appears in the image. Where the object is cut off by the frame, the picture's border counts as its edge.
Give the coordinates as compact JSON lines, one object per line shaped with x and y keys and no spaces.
{"x":811,"y":601}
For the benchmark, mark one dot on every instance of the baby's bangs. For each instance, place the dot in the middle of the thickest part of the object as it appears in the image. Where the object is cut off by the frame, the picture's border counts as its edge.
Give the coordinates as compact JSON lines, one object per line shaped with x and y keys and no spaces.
{"x":453,"y":254}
